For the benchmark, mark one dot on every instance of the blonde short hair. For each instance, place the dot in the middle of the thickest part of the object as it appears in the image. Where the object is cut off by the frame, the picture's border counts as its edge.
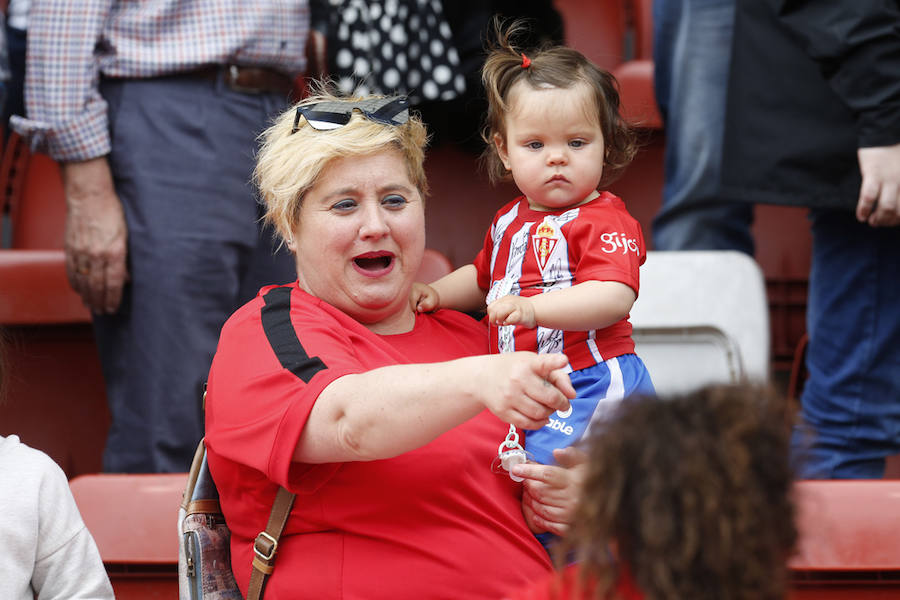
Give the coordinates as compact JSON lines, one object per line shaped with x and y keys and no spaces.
{"x":289,"y":164}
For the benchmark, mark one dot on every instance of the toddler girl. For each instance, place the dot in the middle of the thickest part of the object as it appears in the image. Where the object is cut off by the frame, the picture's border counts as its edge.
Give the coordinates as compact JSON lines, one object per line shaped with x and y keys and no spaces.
{"x":559,"y":267}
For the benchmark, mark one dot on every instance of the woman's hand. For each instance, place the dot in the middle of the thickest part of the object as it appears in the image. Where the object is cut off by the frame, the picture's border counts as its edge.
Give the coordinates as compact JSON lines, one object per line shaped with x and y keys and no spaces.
{"x":524,"y":388}
{"x":551,"y":493}
{"x":423,"y":298}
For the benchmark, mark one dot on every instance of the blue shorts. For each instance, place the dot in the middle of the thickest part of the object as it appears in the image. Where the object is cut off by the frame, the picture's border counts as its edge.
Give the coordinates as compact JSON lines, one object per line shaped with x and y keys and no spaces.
{"x":599,"y":389}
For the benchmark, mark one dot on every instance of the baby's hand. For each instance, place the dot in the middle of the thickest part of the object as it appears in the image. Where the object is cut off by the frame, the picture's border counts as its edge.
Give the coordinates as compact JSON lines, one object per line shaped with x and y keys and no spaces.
{"x":511,"y":310}
{"x":423,"y":298}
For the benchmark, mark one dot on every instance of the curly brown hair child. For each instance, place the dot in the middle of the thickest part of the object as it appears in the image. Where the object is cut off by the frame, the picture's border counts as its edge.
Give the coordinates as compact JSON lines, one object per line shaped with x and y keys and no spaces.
{"x":685,"y":498}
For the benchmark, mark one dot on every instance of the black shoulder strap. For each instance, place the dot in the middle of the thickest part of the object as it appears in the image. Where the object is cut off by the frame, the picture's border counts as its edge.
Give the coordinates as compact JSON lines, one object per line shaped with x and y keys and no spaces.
{"x":276,"y":321}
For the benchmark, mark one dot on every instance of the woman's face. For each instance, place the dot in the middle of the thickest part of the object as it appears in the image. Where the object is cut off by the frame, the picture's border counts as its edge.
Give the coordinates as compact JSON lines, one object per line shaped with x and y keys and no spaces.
{"x":360,"y":238}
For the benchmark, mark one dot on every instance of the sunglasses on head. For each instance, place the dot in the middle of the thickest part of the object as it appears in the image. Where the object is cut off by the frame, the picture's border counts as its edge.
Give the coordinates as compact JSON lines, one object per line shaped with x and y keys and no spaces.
{"x":323,"y":116}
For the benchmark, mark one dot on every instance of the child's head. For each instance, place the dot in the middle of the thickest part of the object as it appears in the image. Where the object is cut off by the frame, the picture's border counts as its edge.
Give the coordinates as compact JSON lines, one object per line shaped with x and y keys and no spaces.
{"x":555,"y":108}
{"x":692,"y":494}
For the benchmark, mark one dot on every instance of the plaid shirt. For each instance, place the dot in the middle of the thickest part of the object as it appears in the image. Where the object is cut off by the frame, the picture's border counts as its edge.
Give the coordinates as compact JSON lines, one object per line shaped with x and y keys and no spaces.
{"x":71,"y":44}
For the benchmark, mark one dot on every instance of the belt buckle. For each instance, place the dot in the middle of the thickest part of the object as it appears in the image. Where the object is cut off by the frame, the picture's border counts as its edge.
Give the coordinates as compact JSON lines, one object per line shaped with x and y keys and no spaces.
{"x":232,"y":79}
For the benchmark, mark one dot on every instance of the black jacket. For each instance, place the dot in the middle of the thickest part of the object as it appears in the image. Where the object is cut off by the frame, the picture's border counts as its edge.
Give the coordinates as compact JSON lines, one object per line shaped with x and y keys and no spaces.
{"x":811,"y":81}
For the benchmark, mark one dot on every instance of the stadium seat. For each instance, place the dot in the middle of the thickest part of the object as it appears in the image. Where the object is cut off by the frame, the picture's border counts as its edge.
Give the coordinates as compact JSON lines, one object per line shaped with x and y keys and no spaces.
{"x":131,"y":518}
{"x":434,"y":266}
{"x":32,"y":264}
{"x":597,"y":29}
{"x":55,"y":393}
{"x":701,"y":317}
{"x":32,"y":190}
{"x":849,"y":546}
{"x":642,"y":27}
{"x":635,"y":74}
{"x":636,"y":94}
{"x":36,"y":290}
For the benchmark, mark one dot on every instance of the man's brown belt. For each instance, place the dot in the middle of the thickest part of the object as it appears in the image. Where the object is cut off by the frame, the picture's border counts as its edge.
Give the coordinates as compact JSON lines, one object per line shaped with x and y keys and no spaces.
{"x":249,"y":80}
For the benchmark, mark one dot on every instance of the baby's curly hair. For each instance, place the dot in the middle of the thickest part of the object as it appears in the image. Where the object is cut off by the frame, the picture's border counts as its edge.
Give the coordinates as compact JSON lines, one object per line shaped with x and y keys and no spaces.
{"x":550,"y":66}
{"x":692,"y":494}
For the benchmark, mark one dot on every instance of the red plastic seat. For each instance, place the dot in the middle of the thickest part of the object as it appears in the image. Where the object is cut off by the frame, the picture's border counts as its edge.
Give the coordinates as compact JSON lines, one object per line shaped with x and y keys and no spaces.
{"x":642,"y":25}
{"x":637,"y":95}
{"x":635,"y":76}
{"x":849,"y":543}
{"x":36,"y":290}
{"x":434,"y":266}
{"x":55,"y":392}
{"x":596,"y":28}
{"x":133,"y":521}
{"x":32,"y":189}
{"x":32,"y":264}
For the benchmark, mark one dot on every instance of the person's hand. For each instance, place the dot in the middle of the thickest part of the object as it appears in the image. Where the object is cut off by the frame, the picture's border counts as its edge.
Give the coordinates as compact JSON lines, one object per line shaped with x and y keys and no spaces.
{"x":524,"y":388}
{"x":512,"y":310}
{"x":423,"y":298}
{"x":551,"y":493}
{"x":879,"y":194}
{"x":96,"y":235}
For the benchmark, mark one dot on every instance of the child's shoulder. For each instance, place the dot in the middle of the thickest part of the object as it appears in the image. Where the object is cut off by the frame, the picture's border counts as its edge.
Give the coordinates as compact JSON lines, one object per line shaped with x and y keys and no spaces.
{"x":608,"y":200}
{"x":519,"y":204}
{"x":605,"y":204}
{"x":514,"y":209}
{"x":608,"y":203}
{"x":22,"y":461}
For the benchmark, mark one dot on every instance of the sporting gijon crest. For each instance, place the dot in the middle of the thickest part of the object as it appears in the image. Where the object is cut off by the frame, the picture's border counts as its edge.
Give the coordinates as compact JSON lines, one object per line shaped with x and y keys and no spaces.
{"x":544,"y":242}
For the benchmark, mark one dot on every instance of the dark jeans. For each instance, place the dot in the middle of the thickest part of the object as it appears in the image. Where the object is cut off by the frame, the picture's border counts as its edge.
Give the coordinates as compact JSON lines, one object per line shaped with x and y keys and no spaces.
{"x":692,"y":55}
{"x":851,"y":401}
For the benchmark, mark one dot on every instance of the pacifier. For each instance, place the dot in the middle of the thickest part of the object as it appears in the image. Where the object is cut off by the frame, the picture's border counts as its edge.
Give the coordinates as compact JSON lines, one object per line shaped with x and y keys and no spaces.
{"x":511,"y":453}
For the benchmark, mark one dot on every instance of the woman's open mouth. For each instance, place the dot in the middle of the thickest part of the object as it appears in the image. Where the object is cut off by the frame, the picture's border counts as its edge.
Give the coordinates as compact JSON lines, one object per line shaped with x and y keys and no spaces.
{"x":374,"y":263}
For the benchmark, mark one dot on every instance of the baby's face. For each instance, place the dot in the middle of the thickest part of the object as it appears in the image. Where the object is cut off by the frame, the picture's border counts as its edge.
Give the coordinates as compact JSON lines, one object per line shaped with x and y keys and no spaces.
{"x":554,"y":145}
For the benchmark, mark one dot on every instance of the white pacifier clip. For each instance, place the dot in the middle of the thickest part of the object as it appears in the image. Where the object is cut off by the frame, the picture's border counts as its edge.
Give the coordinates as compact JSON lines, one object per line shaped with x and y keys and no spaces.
{"x":511,"y":453}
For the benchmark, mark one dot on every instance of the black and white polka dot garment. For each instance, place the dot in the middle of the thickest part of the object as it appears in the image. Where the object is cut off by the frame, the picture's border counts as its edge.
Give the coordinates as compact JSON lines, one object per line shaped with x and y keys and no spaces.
{"x":394,"y":46}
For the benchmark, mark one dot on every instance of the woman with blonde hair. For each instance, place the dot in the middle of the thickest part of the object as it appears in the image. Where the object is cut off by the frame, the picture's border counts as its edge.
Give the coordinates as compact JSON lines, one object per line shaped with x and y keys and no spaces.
{"x":384,"y":422}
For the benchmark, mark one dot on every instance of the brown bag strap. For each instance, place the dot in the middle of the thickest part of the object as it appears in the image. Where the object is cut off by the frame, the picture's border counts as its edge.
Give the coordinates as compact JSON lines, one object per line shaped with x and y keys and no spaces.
{"x":266,"y":545}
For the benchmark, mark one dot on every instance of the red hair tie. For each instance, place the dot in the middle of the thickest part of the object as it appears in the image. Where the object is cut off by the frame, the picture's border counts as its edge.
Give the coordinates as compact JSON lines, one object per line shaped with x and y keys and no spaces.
{"x":526,"y":62}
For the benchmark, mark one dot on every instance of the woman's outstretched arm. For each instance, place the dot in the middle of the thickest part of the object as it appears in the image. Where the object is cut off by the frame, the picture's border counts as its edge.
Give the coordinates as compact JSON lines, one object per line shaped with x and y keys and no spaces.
{"x":388,"y":411}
